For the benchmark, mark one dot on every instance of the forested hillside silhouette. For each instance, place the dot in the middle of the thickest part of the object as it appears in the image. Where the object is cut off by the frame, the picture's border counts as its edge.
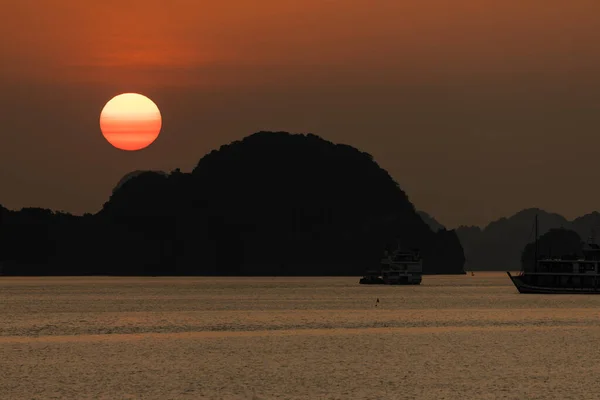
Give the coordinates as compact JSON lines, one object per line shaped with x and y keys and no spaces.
{"x":273,"y":203}
{"x":558,"y":242}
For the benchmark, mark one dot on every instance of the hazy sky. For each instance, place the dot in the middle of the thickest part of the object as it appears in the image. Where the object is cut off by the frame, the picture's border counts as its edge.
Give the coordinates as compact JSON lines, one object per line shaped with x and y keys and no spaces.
{"x":477,"y":108}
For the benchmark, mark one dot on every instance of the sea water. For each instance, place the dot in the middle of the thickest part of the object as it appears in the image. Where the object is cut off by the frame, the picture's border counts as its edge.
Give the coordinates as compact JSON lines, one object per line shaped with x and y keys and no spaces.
{"x":452,"y":337}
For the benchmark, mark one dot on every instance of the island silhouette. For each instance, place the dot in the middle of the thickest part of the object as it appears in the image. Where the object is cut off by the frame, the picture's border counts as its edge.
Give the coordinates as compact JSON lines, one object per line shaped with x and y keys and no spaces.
{"x":273,"y":203}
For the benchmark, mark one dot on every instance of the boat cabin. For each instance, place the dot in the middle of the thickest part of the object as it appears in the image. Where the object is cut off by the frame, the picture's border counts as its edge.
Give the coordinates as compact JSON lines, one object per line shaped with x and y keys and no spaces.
{"x":562,"y":266}
{"x":397,"y":267}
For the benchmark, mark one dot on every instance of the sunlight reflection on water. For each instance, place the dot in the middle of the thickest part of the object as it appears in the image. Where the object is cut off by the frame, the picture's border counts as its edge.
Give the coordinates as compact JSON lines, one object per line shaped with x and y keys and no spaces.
{"x":305,"y":338}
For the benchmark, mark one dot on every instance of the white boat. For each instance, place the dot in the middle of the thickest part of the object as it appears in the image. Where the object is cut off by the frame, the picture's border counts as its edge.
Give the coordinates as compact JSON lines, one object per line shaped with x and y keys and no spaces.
{"x":399,"y":267}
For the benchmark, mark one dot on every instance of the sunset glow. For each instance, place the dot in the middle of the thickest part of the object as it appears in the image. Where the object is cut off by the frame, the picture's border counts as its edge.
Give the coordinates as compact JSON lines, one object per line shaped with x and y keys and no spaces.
{"x":464,"y":84}
{"x":130,"y":121}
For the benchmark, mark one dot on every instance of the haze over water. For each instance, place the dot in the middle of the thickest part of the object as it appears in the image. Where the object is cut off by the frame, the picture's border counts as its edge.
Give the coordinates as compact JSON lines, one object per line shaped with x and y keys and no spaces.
{"x":463,"y":337}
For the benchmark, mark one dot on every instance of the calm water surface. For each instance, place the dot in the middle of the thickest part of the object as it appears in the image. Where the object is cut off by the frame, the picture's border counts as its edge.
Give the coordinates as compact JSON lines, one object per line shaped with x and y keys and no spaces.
{"x":453,"y":337}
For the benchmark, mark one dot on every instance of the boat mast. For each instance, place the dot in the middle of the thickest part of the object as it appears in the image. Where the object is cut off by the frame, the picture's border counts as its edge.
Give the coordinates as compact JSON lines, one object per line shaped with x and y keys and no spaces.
{"x":535,"y":259}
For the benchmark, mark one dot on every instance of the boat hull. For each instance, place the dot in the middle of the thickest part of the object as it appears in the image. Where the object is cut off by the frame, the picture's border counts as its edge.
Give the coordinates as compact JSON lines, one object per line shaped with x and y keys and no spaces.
{"x":371,"y":281}
{"x":379,"y":281}
{"x":527,"y":288}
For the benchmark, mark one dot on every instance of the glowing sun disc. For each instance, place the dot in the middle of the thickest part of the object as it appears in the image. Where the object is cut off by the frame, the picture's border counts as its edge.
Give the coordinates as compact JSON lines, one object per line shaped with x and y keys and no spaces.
{"x":130,"y":121}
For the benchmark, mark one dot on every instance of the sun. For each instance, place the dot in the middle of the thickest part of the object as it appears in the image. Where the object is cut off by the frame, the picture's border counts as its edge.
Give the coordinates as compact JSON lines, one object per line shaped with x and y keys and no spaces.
{"x":130,"y":121}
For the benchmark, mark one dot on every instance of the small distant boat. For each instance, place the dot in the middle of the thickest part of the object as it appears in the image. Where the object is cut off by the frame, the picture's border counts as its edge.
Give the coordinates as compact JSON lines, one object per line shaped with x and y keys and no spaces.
{"x":399,"y":267}
{"x":564,"y":275}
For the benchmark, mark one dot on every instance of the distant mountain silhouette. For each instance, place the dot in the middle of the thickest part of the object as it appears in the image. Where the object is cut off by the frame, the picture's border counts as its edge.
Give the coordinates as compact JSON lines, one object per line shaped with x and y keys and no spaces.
{"x":587,"y":225}
{"x":271,"y":204}
{"x":433,"y":224}
{"x":499,"y":245}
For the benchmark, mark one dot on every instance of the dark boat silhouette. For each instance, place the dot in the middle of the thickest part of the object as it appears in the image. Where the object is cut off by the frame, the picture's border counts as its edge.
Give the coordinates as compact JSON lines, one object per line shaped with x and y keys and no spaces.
{"x":563,"y":275}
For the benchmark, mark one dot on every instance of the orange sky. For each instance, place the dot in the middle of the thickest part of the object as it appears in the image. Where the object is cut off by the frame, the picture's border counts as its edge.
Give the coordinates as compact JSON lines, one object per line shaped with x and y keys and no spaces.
{"x":462,"y":101}
{"x":232,"y":42}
